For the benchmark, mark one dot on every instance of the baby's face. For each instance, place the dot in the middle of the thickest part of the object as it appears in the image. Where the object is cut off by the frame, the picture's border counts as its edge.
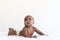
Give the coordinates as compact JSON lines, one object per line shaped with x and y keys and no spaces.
{"x":28,"y":21}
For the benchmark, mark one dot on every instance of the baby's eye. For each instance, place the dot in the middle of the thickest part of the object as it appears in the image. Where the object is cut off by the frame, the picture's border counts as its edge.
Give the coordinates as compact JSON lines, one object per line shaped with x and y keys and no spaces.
{"x":29,"y":19}
{"x":25,"y":19}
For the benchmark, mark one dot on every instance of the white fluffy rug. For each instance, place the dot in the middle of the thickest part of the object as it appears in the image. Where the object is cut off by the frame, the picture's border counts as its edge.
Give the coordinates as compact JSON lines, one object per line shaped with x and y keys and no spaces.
{"x":3,"y":36}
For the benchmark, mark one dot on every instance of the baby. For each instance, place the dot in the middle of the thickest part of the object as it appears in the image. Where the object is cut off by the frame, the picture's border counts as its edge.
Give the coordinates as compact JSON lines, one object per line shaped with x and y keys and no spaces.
{"x":29,"y":29}
{"x":12,"y":32}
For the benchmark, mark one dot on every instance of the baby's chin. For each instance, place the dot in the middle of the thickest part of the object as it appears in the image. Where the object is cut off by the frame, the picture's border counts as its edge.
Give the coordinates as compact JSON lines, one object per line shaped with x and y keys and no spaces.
{"x":28,"y":25}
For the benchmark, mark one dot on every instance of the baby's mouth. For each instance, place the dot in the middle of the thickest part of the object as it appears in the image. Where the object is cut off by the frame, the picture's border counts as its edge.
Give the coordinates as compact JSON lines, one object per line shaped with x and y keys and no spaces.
{"x":28,"y":22}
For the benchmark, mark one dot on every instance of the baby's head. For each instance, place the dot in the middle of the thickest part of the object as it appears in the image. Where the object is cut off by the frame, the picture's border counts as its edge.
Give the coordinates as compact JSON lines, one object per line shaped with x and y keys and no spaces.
{"x":28,"y":20}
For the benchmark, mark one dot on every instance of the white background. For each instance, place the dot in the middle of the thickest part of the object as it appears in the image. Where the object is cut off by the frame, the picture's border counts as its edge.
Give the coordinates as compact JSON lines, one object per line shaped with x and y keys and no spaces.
{"x":45,"y":12}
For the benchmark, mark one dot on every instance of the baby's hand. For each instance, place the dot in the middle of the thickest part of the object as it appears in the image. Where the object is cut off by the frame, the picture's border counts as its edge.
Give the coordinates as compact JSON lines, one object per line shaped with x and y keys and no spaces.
{"x":34,"y":36}
{"x":44,"y":35}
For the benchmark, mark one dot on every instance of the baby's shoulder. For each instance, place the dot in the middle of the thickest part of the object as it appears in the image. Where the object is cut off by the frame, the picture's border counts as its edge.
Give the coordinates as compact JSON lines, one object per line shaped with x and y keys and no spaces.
{"x":24,"y":28}
{"x":34,"y":27}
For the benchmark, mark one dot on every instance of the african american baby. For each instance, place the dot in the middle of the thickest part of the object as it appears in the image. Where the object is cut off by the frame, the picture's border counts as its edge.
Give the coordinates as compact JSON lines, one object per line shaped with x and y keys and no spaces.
{"x":29,"y":29}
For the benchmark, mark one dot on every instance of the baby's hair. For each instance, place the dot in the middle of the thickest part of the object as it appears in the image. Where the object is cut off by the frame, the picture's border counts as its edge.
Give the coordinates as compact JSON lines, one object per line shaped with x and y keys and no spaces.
{"x":28,"y":16}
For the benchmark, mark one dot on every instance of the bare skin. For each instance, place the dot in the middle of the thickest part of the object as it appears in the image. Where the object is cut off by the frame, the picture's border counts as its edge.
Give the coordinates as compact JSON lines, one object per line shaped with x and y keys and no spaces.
{"x":28,"y":30}
{"x":12,"y":32}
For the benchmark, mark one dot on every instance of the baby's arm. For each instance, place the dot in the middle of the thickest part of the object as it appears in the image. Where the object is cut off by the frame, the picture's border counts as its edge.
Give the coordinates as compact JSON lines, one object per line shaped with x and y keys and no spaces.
{"x":37,"y":31}
{"x":20,"y":33}
{"x":23,"y":32}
